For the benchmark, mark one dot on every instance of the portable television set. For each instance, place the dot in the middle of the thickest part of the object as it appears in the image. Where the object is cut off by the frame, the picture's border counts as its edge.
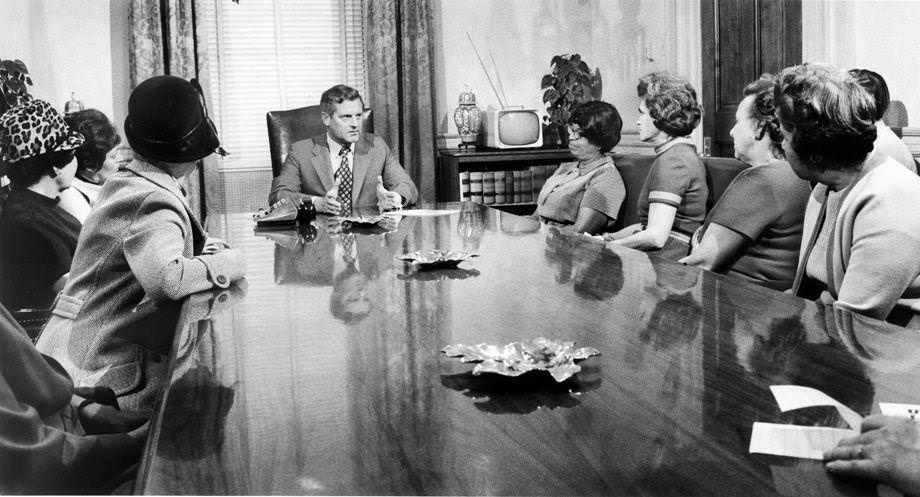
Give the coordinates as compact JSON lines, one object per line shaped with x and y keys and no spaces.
{"x":512,"y":127}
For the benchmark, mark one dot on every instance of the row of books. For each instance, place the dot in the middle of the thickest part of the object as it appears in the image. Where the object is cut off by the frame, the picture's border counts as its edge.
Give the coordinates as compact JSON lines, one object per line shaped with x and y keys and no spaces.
{"x":504,"y":187}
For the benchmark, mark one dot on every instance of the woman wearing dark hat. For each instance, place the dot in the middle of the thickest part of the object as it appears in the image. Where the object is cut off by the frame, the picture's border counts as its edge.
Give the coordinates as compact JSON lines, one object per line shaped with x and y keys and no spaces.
{"x":141,"y":251}
{"x":37,"y":238}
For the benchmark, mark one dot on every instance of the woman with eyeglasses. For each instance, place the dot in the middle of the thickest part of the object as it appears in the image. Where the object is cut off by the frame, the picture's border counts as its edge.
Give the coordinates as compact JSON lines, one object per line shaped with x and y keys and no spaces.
{"x":141,"y":252}
{"x":587,"y":194}
{"x":672,"y":202}
{"x":755,"y":229}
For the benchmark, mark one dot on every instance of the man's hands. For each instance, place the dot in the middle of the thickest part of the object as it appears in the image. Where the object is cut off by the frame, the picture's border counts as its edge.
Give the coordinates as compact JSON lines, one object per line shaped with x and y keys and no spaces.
{"x":329,"y":203}
{"x":387,"y":200}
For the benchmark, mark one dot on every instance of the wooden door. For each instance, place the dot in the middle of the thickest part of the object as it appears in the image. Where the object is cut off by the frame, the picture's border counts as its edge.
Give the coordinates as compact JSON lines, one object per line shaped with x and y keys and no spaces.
{"x":743,"y":39}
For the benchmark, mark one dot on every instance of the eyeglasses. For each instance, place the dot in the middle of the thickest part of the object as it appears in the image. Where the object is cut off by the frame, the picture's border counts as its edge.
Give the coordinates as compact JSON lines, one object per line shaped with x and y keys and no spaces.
{"x":574,"y":133}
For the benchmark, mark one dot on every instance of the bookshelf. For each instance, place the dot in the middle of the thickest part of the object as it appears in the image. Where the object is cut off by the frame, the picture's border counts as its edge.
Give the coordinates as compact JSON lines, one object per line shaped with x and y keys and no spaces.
{"x":489,"y":163}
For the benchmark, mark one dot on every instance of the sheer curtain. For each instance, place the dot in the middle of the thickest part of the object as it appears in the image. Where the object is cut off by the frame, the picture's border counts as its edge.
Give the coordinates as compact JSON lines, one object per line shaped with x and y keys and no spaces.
{"x":400,"y":74}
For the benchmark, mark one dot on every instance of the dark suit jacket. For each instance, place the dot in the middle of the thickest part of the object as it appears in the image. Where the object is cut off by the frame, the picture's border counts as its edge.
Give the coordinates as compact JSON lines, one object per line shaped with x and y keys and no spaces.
{"x":307,"y":171}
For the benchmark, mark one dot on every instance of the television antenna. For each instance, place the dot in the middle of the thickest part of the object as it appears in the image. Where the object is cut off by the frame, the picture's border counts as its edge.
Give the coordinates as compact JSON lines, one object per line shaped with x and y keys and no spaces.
{"x":501,"y":101}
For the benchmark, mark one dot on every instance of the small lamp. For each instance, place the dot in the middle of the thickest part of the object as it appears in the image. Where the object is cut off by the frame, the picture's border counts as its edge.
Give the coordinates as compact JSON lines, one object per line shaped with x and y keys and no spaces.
{"x":468,"y":118}
{"x":73,"y":105}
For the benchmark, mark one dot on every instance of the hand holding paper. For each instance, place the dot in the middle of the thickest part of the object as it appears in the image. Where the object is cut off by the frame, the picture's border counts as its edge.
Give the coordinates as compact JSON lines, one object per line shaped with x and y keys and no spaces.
{"x":815,"y":442}
{"x":807,"y":442}
{"x":888,"y":450}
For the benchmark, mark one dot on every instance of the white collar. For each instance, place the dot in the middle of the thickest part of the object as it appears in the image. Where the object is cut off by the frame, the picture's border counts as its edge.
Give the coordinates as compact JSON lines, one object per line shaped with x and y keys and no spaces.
{"x":335,"y":148}
{"x":673,"y":142}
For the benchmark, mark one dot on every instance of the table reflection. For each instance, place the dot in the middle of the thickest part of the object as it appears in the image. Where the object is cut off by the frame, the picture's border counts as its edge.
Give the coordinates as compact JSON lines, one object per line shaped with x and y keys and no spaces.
{"x":326,"y":377}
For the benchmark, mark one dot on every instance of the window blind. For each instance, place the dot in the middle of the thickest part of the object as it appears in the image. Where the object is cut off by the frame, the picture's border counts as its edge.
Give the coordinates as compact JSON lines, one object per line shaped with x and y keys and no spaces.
{"x":265,"y":55}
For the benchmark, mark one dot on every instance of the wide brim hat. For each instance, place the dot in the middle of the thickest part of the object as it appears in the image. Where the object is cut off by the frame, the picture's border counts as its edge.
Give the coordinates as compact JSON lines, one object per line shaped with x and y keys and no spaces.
{"x":168,"y":121}
{"x":32,"y":129}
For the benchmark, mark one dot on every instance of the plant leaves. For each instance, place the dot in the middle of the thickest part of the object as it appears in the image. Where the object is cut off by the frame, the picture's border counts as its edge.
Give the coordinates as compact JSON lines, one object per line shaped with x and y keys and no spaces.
{"x":557,"y":60}
{"x":547,"y":81}
{"x":550,"y":95}
{"x":583,"y":67}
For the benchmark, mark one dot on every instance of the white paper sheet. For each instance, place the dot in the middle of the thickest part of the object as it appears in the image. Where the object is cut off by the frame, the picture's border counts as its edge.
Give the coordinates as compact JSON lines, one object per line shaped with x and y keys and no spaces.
{"x":911,"y":411}
{"x":426,"y":212}
{"x":809,"y":442}
{"x":790,"y":397}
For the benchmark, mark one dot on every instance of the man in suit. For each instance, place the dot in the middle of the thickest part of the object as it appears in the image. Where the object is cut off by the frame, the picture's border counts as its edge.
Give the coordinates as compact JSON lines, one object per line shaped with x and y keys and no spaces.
{"x":343,"y":170}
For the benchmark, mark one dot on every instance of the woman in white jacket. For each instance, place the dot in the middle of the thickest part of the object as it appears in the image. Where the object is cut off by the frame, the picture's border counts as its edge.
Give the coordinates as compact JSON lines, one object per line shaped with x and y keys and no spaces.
{"x":861,"y":236}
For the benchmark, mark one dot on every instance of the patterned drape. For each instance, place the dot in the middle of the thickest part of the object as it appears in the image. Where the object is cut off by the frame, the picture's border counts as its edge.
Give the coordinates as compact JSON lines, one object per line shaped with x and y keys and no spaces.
{"x":400,"y":75}
{"x":163,"y":41}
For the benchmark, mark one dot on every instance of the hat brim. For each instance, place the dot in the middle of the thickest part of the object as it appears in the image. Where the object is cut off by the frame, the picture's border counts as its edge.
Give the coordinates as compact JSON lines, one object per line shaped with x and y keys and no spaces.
{"x":200,"y":143}
{"x":73,"y":141}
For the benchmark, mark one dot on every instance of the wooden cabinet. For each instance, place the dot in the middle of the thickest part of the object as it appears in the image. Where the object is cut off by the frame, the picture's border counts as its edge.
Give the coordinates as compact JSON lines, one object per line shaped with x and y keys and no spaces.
{"x":452,"y":162}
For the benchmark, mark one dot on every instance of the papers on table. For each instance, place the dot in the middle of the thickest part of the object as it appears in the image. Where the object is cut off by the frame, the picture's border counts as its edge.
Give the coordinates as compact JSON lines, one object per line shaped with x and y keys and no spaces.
{"x":791,"y":397}
{"x":427,"y":212}
{"x":810,"y":442}
{"x":911,"y":411}
{"x":807,"y":442}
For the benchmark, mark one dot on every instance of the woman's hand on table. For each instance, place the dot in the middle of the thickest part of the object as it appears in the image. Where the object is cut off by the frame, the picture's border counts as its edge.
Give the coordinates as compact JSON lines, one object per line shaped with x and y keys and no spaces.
{"x":888,"y":451}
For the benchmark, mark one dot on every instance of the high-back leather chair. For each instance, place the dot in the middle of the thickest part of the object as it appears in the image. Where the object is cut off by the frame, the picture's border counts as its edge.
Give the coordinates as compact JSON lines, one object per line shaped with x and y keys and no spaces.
{"x":633,"y":168}
{"x":720,"y":172}
{"x":288,"y":126}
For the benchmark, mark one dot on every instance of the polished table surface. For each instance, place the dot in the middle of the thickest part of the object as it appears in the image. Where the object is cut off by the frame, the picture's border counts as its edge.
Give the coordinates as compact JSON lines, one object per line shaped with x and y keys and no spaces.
{"x":321,"y":376}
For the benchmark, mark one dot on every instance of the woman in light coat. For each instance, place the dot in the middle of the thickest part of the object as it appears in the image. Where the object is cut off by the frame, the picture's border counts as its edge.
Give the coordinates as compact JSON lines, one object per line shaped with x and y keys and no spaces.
{"x":140,"y":252}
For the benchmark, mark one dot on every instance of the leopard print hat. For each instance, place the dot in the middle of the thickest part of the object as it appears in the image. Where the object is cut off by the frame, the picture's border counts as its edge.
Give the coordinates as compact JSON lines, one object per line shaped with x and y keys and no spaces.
{"x":34,"y":128}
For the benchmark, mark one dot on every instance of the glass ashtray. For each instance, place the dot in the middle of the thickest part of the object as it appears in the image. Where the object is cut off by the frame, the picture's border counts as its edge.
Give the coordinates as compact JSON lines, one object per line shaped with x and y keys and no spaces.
{"x":436,"y":259}
{"x":557,"y":357}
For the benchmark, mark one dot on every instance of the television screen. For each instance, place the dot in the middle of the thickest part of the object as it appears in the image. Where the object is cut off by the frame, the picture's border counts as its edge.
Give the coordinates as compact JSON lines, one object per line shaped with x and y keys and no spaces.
{"x":518,"y":127}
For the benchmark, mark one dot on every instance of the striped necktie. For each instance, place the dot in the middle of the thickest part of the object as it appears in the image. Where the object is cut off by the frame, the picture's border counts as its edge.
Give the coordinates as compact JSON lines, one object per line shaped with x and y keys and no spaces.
{"x":343,"y":178}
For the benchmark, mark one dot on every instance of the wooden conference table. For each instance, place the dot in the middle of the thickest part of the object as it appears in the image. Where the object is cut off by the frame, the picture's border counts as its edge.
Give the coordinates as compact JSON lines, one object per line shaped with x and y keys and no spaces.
{"x":326,"y":377}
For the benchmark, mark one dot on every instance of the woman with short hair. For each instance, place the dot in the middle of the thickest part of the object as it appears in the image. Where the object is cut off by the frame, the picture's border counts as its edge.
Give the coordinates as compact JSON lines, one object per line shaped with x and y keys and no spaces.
{"x":586,"y":194}
{"x":886,"y":141}
{"x":95,"y":160}
{"x":861,"y":236}
{"x":672,"y":202}
{"x":37,"y":237}
{"x":755,"y":229}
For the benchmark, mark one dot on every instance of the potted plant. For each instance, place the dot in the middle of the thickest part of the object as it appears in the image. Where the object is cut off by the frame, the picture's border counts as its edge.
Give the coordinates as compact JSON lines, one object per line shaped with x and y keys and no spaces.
{"x":14,"y":84}
{"x":570,"y":83}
